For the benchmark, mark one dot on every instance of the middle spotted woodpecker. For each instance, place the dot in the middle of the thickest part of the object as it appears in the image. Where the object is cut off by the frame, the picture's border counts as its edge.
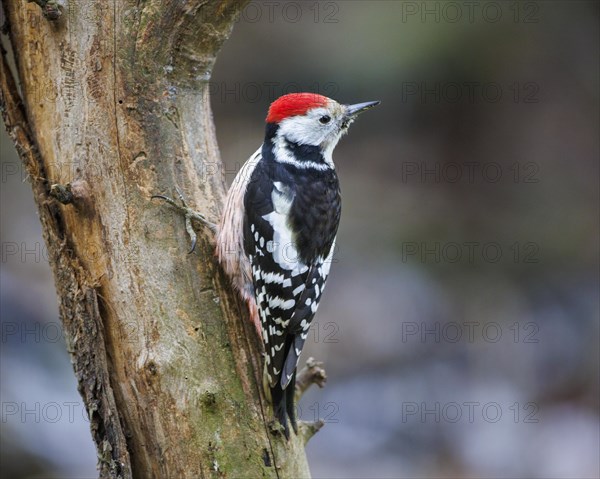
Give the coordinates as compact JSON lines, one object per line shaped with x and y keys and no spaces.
{"x":277,"y":233}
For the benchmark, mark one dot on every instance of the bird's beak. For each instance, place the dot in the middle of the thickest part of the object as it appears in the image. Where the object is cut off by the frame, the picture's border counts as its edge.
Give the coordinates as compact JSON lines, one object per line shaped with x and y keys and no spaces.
{"x":354,"y":110}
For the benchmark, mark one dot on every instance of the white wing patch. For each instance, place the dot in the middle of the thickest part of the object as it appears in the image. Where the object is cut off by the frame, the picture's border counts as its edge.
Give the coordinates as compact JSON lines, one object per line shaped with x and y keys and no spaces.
{"x":282,"y":246}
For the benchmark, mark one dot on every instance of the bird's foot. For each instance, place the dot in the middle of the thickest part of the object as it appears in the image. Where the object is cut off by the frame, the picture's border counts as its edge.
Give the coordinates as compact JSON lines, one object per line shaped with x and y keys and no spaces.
{"x":190,"y":215}
{"x":277,"y":428}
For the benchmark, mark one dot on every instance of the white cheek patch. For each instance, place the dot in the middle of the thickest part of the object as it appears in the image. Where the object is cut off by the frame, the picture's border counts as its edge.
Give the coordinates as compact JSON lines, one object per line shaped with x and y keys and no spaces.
{"x":304,"y":129}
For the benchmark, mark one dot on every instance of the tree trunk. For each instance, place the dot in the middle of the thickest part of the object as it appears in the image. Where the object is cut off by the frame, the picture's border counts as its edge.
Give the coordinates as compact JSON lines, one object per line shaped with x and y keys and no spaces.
{"x":113,"y":107}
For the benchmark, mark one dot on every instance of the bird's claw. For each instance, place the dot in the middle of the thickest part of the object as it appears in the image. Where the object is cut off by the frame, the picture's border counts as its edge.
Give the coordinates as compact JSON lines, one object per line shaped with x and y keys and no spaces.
{"x":189,"y":215}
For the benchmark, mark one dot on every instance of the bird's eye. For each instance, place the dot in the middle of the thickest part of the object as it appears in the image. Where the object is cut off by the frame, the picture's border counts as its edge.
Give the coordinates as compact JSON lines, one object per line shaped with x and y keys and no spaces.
{"x":325,"y":119}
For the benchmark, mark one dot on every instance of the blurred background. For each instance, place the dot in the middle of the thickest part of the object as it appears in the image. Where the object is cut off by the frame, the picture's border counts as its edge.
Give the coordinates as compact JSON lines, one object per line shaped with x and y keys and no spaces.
{"x":460,"y":326}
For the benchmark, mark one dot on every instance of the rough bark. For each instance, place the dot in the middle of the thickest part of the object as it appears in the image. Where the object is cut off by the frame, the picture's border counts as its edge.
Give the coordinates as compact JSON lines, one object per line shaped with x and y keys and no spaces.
{"x":113,"y":107}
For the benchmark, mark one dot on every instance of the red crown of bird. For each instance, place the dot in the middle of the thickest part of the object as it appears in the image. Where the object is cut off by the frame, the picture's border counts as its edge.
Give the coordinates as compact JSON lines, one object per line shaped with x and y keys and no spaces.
{"x":294,"y":104}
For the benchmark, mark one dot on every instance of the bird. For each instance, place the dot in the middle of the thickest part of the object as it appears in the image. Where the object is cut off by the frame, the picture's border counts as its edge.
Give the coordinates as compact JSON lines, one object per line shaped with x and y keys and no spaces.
{"x":277,"y":233}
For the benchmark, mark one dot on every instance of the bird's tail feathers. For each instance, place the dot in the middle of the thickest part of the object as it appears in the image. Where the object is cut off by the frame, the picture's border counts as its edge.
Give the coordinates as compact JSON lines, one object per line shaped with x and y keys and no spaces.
{"x":284,"y":406}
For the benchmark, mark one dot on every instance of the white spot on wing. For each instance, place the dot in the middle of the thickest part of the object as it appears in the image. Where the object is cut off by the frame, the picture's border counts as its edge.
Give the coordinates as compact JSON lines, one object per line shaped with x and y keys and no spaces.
{"x":277,"y":302}
{"x":273,"y":278}
{"x":282,"y":322}
{"x":298,"y":290}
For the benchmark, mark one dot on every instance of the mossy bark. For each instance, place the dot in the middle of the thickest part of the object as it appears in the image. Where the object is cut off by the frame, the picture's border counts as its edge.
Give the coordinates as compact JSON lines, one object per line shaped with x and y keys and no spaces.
{"x":114,"y":101}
